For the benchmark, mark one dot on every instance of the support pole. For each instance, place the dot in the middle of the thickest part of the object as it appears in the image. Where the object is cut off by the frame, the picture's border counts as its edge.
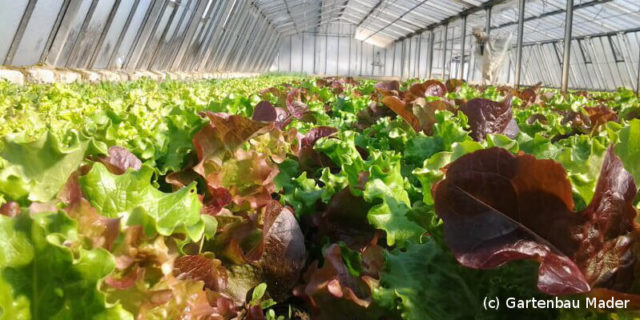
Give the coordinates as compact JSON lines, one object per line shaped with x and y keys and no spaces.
{"x":94,"y":55}
{"x":638,"y":80}
{"x":384,"y":69}
{"x":444,"y":49}
{"x":338,"y":57}
{"x":360,"y":73}
{"x":566,"y":56}
{"x":393,"y":64}
{"x":430,"y":65}
{"x":464,"y":43}
{"x":416,"y":70}
{"x":373,"y":68}
{"x":22,"y":27}
{"x":402,"y":53}
{"x":326,"y":45}
{"x":519,"y":43}
{"x":349,"y":60}
{"x":487,"y":27}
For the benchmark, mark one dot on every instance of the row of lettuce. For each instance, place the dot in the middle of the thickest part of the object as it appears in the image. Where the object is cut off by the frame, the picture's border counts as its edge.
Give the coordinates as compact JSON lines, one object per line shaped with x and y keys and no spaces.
{"x":281,"y":198}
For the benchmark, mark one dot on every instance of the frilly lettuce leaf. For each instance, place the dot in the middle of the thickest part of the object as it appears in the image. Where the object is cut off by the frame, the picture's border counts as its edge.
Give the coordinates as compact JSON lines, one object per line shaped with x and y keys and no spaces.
{"x":132,"y":197}
{"x":628,"y":149}
{"x":36,"y":170}
{"x":40,"y":276}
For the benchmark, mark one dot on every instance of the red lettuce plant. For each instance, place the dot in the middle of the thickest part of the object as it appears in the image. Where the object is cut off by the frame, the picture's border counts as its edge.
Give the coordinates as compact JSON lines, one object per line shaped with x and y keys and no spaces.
{"x":498,"y":207}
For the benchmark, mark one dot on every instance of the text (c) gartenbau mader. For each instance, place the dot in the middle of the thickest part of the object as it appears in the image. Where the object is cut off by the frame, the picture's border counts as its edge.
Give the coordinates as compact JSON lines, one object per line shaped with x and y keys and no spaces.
{"x":559,"y":303}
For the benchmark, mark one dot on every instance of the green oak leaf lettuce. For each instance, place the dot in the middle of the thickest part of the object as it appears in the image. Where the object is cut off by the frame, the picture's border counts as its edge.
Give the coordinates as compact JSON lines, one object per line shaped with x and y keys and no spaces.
{"x":36,"y":170}
{"x":628,"y":149}
{"x":132,"y":197}
{"x":385,"y":188}
{"x":40,"y":276}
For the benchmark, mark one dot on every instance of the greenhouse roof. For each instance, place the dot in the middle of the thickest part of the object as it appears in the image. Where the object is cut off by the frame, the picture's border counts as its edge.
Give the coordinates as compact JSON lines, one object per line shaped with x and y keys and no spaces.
{"x":392,"y":20}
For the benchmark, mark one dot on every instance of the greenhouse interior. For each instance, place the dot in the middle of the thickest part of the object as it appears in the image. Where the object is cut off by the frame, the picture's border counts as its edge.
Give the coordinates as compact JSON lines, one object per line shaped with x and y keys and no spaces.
{"x":319,"y":159}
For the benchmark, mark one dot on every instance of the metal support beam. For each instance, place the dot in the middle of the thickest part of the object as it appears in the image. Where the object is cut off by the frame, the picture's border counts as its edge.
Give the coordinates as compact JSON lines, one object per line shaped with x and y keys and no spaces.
{"x":74,"y":59}
{"x":150,"y":44}
{"x":54,"y":30}
{"x":393,"y":61}
{"x":248,"y":46}
{"x":64,"y":30}
{"x":249,"y":32}
{"x":141,"y":29}
{"x":261,"y":45}
{"x":17,"y":37}
{"x":384,"y":70}
{"x":338,"y":58}
{"x":579,"y":6}
{"x":487,"y":28}
{"x":396,"y":19}
{"x":251,"y":63}
{"x":360,"y":73}
{"x":315,"y":45}
{"x":231,"y":36}
{"x":566,"y":56}
{"x":208,"y":36}
{"x":326,"y":46}
{"x":123,"y":32}
{"x":417,"y":64}
{"x":349,"y":60}
{"x":430,"y":63}
{"x":464,"y":40}
{"x":373,"y":71}
{"x":158,"y":46}
{"x":103,"y":34}
{"x":220,"y":26}
{"x":174,"y":45}
{"x":521,"y":8}
{"x":402,"y":59}
{"x":376,"y":6}
{"x":273,"y":52}
{"x":444,"y":50}
{"x":638,"y":79}
{"x":446,"y":21}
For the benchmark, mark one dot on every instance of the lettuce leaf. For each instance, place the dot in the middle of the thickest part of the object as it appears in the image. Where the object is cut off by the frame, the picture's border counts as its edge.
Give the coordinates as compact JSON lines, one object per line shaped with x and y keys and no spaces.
{"x":132,"y":197}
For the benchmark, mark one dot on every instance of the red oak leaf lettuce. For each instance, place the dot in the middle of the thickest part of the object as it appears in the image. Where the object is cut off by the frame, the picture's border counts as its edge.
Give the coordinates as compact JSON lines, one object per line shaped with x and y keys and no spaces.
{"x":388,"y":88}
{"x":498,"y":207}
{"x":222,"y":136}
{"x":120,"y":159}
{"x":333,"y":292}
{"x":265,"y":247}
{"x":310,"y":159}
{"x":490,"y":117}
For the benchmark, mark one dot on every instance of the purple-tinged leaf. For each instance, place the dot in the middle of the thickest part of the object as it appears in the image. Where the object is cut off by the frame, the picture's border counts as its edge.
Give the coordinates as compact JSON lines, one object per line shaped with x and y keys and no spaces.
{"x":264,"y":112}
{"x":490,"y":117}
{"x":498,"y":207}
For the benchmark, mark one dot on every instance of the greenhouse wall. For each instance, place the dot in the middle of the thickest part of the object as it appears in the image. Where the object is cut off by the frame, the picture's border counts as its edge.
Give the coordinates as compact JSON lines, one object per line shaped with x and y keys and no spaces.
{"x":164,"y":35}
{"x":604,"y":45}
{"x":426,"y":39}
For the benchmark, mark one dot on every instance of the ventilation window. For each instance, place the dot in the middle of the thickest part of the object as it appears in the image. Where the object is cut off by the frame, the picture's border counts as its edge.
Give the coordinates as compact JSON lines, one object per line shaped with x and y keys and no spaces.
{"x":586,"y":54}
{"x":557,"y":49}
{"x":615,"y":48}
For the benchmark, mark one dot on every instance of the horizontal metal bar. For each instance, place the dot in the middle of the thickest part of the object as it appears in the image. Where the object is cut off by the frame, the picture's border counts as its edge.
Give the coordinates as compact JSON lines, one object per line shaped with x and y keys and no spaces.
{"x":446,"y":21}
{"x":554,"y":12}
